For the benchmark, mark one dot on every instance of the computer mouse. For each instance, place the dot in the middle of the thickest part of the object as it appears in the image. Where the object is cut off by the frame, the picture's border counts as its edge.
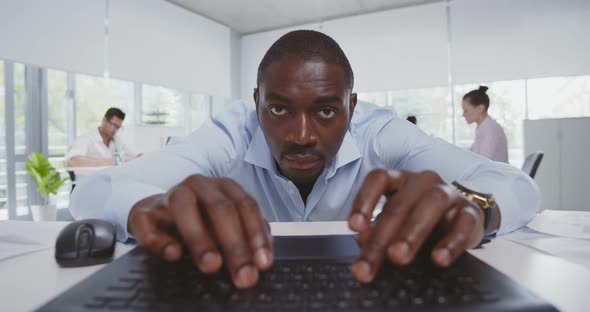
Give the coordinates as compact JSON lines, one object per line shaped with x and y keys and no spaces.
{"x":85,"y":242}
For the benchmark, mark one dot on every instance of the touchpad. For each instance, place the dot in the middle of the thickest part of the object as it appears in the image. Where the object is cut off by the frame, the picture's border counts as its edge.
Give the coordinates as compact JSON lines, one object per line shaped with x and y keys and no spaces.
{"x":315,"y":247}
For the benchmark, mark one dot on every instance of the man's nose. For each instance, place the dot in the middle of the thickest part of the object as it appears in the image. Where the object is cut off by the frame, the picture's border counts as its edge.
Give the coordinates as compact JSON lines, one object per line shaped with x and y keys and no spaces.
{"x":302,"y":130}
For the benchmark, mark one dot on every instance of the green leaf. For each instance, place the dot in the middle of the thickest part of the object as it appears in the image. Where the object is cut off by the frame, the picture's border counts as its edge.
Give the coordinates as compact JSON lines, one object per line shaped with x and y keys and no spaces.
{"x":47,"y":177}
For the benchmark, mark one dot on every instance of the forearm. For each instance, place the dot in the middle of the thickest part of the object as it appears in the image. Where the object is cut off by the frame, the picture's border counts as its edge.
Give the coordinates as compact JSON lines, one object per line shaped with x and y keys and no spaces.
{"x":110,"y":196}
{"x":85,"y":161}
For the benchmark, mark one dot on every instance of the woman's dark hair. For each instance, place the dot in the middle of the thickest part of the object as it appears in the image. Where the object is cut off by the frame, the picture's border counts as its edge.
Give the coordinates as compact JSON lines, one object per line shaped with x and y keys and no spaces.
{"x":478,"y":97}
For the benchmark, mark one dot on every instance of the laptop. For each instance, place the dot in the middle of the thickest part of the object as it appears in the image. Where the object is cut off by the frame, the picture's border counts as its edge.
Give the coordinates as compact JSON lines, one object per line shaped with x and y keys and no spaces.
{"x":310,"y":273}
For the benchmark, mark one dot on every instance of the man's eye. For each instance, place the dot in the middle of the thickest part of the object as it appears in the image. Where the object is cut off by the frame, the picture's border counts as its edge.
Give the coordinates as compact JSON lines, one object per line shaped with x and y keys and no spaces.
{"x":278,"y":111}
{"x":327,"y":113}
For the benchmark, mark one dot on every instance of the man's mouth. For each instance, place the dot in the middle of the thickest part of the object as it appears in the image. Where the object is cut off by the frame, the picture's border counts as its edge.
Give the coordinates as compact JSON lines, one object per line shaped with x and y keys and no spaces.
{"x":302,"y":161}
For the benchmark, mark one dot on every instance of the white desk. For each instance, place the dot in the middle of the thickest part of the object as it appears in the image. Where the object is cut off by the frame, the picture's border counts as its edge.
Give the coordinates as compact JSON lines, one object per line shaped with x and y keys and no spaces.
{"x":28,"y":281}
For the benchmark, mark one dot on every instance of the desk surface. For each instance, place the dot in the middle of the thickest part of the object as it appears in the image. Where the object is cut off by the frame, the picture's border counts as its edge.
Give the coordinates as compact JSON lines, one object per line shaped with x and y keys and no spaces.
{"x":30,"y":280}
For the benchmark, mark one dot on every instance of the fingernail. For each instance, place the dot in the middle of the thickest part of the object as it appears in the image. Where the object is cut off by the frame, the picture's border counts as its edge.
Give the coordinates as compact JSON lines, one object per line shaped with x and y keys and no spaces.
{"x":246,"y":276}
{"x":399,"y":251}
{"x":357,"y":221}
{"x":210,"y":261}
{"x":170,"y":252}
{"x":362,"y":271}
{"x":402,"y":248}
{"x":263,"y":258}
{"x":443,"y":256}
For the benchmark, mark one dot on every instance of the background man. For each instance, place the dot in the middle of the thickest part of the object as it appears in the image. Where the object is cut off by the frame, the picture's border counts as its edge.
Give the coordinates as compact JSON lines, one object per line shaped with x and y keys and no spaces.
{"x":99,"y":147}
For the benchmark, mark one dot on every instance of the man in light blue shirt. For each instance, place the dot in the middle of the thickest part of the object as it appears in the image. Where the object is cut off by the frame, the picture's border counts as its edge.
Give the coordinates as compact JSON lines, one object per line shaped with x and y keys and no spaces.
{"x":305,"y":151}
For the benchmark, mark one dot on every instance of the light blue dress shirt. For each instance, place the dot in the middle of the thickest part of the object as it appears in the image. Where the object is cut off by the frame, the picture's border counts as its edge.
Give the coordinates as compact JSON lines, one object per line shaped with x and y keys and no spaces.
{"x":232,"y":145}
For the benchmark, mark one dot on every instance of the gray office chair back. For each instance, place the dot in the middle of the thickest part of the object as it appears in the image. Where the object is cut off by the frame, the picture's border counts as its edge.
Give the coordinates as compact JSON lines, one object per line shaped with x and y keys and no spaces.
{"x":174,"y":139}
{"x":532,"y":162}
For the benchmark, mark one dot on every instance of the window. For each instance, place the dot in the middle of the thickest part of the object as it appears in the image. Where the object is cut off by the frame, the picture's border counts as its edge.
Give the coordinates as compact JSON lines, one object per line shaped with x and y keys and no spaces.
{"x":20,"y":140}
{"x":430,"y":106}
{"x":200,"y":110}
{"x":94,"y":95}
{"x":58,"y":101}
{"x":20,"y":120}
{"x":3,"y":180}
{"x":558,"y":97}
{"x":377,"y":98}
{"x":507,"y":107}
{"x":162,"y":106}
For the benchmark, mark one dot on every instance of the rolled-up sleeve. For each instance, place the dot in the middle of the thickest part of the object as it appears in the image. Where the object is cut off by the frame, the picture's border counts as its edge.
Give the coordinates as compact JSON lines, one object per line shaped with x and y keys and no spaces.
{"x":404,"y":146}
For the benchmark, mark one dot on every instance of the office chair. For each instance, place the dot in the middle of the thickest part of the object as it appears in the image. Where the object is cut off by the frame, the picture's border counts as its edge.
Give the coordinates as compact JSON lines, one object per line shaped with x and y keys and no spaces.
{"x":532,"y":162}
{"x":72,"y":179}
{"x":173,"y":139}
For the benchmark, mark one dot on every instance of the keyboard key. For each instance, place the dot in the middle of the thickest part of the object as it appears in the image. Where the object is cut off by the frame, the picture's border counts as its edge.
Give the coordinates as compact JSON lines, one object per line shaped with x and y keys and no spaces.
{"x":286,"y":286}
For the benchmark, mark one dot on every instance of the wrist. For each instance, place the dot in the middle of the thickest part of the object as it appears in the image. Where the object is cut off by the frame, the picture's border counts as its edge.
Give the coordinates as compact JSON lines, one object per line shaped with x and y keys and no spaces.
{"x":486,"y":202}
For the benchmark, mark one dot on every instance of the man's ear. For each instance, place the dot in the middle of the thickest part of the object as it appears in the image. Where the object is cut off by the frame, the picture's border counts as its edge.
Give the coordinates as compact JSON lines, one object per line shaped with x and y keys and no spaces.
{"x":256,"y":97}
{"x":352,"y":105}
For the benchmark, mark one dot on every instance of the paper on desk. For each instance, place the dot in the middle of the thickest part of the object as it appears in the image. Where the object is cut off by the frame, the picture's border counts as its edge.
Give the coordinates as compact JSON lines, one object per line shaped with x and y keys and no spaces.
{"x":13,"y":246}
{"x":574,"y":224}
{"x":22,"y":237}
{"x":575,"y":250}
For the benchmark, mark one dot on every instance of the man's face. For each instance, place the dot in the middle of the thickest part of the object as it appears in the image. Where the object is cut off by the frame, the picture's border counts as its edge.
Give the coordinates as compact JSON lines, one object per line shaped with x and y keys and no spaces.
{"x":304,"y":109}
{"x":111,"y":126}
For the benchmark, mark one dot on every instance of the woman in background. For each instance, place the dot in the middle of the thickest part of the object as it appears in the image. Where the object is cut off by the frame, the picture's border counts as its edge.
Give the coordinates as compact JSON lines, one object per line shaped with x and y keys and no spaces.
{"x":490,"y":139}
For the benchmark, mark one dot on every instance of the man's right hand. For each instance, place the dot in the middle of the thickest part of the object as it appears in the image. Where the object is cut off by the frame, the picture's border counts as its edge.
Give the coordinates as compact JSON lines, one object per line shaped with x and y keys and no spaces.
{"x":215,"y":219}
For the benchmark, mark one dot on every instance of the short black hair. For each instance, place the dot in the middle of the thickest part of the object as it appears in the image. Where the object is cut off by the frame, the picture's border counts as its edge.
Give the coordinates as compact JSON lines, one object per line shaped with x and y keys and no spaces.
{"x":114,"y":112}
{"x":478,"y":97}
{"x":309,"y":45}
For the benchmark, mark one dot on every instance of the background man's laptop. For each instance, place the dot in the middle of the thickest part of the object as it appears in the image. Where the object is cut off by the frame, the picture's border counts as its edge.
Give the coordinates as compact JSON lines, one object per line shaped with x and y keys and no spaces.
{"x":310,"y":273}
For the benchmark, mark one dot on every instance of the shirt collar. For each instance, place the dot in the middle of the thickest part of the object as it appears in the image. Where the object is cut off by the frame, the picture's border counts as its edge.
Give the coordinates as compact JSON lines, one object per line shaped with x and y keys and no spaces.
{"x":98,"y":137}
{"x":259,"y":154}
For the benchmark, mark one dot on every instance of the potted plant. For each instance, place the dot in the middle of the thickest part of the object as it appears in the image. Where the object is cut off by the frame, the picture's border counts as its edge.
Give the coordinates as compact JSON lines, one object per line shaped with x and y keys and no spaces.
{"x":49,"y":181}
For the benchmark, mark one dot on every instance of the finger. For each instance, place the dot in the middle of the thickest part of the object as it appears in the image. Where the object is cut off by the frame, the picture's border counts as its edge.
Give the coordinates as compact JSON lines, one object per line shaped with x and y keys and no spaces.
{"x":466,"y":231}
{"x":378,"y":182}
{"x":226,"y":225}
{"x":388,"y":225}
{"x":257,"y":229}
{"x":182,"y":203}
{"x":152,"y":239}
{"x":422,"y":220}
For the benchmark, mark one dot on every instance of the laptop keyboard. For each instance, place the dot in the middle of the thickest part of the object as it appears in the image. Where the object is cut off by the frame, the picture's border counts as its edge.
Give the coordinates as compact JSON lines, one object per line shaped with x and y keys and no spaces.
{"x":307,"y":285}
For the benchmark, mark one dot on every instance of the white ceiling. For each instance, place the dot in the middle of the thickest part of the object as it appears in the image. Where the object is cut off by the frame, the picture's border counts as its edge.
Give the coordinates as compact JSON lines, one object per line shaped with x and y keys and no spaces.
{"x":250,"y":16}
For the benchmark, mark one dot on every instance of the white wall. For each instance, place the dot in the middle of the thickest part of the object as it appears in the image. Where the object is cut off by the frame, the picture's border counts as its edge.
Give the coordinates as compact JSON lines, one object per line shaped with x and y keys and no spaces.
{"x":508,"y":39}
{"x":253,"y":48}
{"x":404,"y":48}
{"x":396,"y":49}
{"x":150,"y":41}
{"x":492,"y":40}
{"x":156,"y":42}
{"x":64,"y":34}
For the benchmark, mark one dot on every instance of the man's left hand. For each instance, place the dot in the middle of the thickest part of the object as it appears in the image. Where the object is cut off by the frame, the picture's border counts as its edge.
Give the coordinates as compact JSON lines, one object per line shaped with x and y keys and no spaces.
{"x":417,"y":203}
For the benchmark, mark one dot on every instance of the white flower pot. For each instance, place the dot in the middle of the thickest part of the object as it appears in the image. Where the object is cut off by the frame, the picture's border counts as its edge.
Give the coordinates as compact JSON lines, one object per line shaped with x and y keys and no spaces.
{"x":44,"y":213}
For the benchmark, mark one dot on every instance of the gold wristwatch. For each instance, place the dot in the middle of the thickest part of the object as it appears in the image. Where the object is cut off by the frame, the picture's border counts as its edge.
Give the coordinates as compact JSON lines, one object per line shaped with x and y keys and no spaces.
{"x":485,"y":201}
